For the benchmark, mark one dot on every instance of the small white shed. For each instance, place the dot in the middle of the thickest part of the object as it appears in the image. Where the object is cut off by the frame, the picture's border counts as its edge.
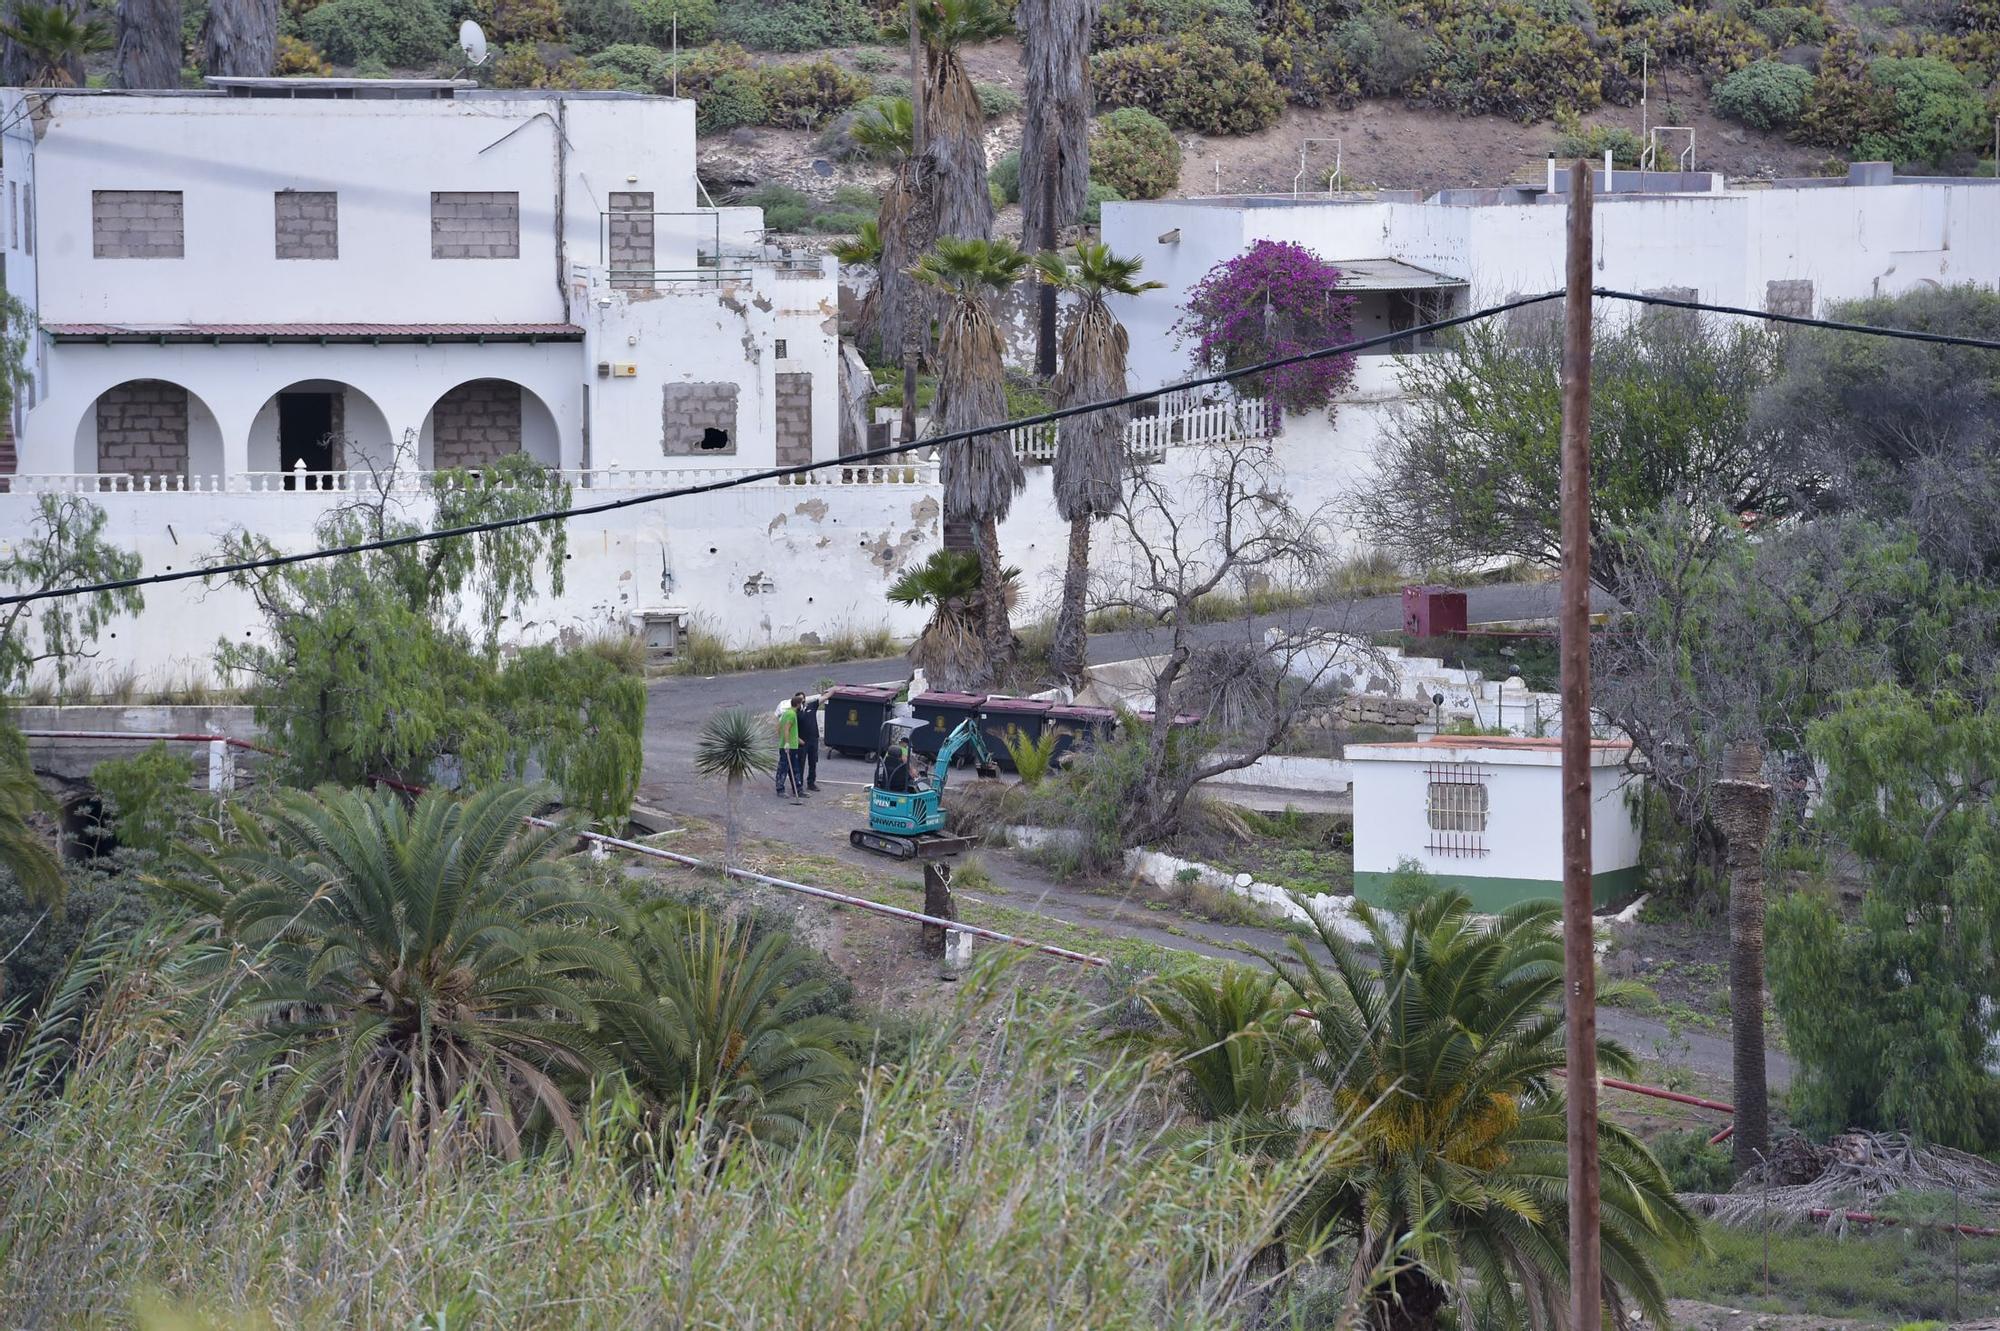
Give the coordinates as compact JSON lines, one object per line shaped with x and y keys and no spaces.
{"x":1484,"y":815}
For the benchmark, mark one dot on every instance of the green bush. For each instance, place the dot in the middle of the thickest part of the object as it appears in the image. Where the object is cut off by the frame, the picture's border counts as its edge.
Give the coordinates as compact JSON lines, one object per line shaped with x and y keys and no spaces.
{"x":1692,"y":1164}
{"x":697,"y":18}
{"x":788,"y":209}
{"x":796,"y":25}
{"x":524,"y":21}
{"x":642,"y":66}
{"x":594,"y":25}
{"x":802,"y":96}
{"x":1591,"y":141}
{"x":1938,"y":112}
{"x":726,"y":88}
{"x":1506,"y":59}
{"x":1005,"y":175}
{"x":1189,"y":82}
{"x":1385,"y":54}
{"x":396,"y":32}
{"x":1784,"y":25}
{"x":1094,"y":200}
{"x":1134,"y":152}
{"x":997,"y":99}
{"x":1766,"y":95}
{"x":1233,"y":23}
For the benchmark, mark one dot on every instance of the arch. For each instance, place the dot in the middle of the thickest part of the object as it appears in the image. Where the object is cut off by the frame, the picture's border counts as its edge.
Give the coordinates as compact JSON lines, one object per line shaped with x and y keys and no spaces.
{"x":356,"y":429}
{"x":157,"y":431}
{"x":481,"y":420}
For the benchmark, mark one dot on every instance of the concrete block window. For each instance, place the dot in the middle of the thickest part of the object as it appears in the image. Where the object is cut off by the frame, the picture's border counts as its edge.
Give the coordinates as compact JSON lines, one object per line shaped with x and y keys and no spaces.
{"x":307,"y":224}
{"x":136,"y":224}
{"x":475,"y":224}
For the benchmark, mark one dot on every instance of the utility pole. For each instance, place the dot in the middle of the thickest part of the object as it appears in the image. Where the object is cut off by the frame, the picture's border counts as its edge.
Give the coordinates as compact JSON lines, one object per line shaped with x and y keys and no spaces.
{"x":1579,"y":954}
{"x":913,"y":337}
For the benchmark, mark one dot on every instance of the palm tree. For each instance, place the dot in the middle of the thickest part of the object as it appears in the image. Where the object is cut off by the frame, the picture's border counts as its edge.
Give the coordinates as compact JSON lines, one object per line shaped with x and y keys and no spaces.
{"x":47,"y":44}
{"x":240,"y":38}
{"x":1743,"y":803}
{"x":954,"y":124}
{"x":952,"y":647}
{"x":1442,"y":1064}
{"x":149,"y":44}
{"x":1090,"y":459}
{"x":906,"y":225}
{"x":981,"y":475}
{"x":734,"y":744}
{"x":418,"y":975}
{"x":1055,"y":132}
{"x":724,"y":1032}
{"x":1234,"y":1057}
{"x":24,"y":852}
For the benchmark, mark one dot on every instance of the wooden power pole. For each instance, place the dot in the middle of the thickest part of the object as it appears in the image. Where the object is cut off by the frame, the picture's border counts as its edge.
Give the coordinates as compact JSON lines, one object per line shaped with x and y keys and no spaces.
{"x":1579,"y":954}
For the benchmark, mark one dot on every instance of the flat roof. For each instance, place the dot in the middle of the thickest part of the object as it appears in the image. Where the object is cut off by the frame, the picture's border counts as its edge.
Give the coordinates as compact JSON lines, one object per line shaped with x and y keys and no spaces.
{"x":1499,"y":750}
{"x":1389,"y":275}
{"x":283,"y":84}
{"x":314,"y":332}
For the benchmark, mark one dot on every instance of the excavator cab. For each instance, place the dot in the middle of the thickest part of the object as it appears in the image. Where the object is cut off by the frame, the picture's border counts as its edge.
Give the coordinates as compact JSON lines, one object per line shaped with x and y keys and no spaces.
{"x":906,"y":805}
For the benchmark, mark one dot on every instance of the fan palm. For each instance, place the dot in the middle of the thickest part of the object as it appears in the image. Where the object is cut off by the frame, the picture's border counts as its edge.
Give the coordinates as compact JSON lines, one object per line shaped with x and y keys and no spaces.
{"x":734,"y":744}
{"x":952,"y":646}
{"x":1090,"y":456}
{"x":54,"y":42}
{"x":724,"y":1032}
{"x":954,"y":124}
{"x":1055,"y":126}
{"x":24,"y":852}
{"x":896,"y":315}
{"x":418,"y":975}
{"x":981,"y":475}
{"x":1442,"y":1064}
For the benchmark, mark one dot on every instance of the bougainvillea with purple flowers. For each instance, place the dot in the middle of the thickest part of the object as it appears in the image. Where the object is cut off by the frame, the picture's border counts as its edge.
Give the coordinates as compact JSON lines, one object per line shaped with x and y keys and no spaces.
{"x":1275,"y":299}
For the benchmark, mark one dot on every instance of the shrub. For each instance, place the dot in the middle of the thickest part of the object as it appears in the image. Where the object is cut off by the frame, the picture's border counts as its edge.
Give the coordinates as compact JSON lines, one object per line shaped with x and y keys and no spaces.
{"x":1094,"y":199}
{"x":1005,"y":175}
{"x":1938,"y":113}
{"x":1710,"y":45}
{"x":997,"y":99}
{"x":1134,"y":152}
{"x":1691,"y":1164}
{"x":1845,"y":104}
{"x":1580,"y":140}
{"x":795,"y":25}
{"x":1275,"y":299}
{"x":1506,"y":59}
{"x":801,"y":96}
{"x":1385,"y":54}
{"x":1766,"y":95}
{"x":1233,"y":23}
{"x":698,"y":20}
{"x":396,"y":32}
{"x":870,"y":60}
{"x":1782,"y":25}
{"x":300,"y":59}
{"x":1189,"y":82}
{"x":726,"y":90}
{"x":526,"y":21}
{"x":594,"y":25}
{"x":640,"y":66}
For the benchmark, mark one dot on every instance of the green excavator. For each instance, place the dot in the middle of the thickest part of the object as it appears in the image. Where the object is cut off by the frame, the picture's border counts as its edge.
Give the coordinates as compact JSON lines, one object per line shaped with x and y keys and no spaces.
{"x":906,"y":808}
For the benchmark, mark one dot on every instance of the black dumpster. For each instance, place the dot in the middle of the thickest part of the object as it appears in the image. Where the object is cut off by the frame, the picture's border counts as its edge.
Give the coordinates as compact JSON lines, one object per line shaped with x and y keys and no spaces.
{"x":1079,"y":728}
{"x":1004,"y":717}
{"x":941,"y":712}
{"x":851,"y":718}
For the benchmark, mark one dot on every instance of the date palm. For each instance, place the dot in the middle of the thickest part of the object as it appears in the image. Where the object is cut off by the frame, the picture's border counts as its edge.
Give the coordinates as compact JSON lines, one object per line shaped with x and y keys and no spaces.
{"x":734,"y":744}
{"x":1442,"y":1063}
{"x":724,"y":1033}
{"x":981,"y":475}
{"x":954,"y":124}
{"x":418,"y":975}
{"x":951,"y":649}
{"x":47,"y":44}
{"x":1090,"y":454}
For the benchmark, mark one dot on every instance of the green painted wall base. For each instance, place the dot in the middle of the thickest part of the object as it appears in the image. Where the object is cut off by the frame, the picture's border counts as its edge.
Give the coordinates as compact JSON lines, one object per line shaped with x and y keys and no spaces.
{"x":1492,"y":895}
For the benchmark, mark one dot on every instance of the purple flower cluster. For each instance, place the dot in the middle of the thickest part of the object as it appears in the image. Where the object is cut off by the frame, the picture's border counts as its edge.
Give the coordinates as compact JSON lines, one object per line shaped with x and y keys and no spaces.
{"x":1275,"y":299}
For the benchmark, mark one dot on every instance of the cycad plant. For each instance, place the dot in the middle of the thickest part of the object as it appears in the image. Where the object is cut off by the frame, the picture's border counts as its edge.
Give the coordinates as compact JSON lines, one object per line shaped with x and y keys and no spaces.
{"x":734,"y":744}
{"x":981,"y":475}
{"x":417,"y":975}
{"x":1234,"y":1053}
{"x":724,"y":1034}
{"x":1090,"y":454}
{"x":1442,"y":1064}
{"x":951,"y":649}
{"x":954,"y":124}
{"x":54,"y":40}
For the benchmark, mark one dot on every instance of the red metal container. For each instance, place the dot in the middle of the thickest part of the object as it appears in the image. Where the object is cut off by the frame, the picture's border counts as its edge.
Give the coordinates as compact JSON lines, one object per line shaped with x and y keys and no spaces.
{"x":1432,"y":612}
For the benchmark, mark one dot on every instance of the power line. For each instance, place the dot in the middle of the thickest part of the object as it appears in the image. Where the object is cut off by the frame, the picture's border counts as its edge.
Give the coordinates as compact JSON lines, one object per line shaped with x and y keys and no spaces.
{"x":774,"y":473}
{"x":1802,"y":321}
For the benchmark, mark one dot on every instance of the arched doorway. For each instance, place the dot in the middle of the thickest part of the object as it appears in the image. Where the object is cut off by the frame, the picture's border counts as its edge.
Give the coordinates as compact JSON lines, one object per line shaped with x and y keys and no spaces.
{"x":483,"y":420}
{"x":153,"y":431}
{"x":328,"y":425}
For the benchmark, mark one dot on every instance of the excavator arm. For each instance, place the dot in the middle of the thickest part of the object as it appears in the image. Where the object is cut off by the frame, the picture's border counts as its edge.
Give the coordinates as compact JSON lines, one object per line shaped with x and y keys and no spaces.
{"x":966,"y":732}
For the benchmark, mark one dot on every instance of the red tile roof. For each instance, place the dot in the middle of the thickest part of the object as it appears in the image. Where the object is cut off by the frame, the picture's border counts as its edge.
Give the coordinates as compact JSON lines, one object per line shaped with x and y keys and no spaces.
{"x":313,"y":332}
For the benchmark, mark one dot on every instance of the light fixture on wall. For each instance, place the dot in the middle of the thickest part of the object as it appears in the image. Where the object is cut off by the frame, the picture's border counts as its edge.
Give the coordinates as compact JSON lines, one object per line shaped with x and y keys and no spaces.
{"x":1171,"y":237}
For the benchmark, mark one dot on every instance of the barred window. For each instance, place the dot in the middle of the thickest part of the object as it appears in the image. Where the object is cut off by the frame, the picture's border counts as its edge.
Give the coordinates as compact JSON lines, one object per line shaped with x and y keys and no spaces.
{"x":1455,"y":806}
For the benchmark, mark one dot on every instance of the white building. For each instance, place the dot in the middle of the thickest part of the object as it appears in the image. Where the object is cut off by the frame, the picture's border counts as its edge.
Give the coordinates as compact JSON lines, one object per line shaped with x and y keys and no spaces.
{"x":1484,"y":816}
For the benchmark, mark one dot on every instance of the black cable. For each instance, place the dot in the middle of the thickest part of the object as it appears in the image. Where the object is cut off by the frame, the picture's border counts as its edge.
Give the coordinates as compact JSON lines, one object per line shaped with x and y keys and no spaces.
{"x":1831,"y":325}
{"x":853,"y":459}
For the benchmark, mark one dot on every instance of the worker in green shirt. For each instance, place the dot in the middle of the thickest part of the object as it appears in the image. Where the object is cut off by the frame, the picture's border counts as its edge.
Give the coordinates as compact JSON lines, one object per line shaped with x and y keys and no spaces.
{"x":791,"y":756}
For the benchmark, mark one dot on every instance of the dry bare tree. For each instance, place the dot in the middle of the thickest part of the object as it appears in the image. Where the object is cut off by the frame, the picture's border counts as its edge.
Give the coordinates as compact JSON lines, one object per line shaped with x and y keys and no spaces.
{"x":981,"y":475}
{"x":1224,"y":525}
{"x":1090,"y":457}
{"x":149,"y":44}
{"x":954,"y":125}
{"x":1055,"y":130}
{"x":240,"y":38}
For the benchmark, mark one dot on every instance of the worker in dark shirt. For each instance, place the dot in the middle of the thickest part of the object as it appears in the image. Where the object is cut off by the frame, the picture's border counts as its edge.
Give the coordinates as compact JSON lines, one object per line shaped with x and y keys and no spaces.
{"x":808,"y":710}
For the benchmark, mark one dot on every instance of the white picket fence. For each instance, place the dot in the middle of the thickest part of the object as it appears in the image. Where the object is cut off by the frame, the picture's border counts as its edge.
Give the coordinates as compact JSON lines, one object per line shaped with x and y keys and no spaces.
{"x":1148,"y":438}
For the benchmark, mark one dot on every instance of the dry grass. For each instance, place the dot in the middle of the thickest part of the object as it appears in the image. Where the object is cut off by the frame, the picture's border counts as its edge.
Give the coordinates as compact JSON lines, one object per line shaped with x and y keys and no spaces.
{"x":704,"y":653}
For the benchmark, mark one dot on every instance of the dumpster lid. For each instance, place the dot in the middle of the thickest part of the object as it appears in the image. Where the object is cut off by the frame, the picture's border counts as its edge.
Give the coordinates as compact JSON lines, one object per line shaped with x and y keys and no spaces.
{"x":863,"y":692}
{"x":1180,"y":718}
{"x":1081,"y":712}
{"x":942,"y":698}
{"x":1018,"y":706}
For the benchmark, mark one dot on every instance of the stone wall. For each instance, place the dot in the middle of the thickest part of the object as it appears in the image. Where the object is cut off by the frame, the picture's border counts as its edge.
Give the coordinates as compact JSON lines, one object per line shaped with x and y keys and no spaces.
{"x":136,"y":224}
{"x":795,"y":419}
{"x":475,"y":224}
{"x":631,"y":238}
{"x":1794,"y":297}
{"x":142,"y":428}
{"x":1378,"y":709}
{"x":308,"y":224}
{"x":476,"y":423}
{"x":697,"y":420}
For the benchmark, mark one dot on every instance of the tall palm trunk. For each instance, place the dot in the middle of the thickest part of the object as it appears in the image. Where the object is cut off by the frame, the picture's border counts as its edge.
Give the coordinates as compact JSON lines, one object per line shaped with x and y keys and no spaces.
{"x":240,"y":38}
{"x":955,"y":149}
{"x":1066,"y":651}
{"x":993,"y":593}
{"x":1743,"y":808}
{"x":149,"y":44}
{"x":908,"y":227}
{"x":1055,"y":134}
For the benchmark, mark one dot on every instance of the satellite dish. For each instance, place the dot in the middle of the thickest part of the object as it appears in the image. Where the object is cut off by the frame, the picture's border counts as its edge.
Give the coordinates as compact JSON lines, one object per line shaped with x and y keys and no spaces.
{"x":472,"y":41}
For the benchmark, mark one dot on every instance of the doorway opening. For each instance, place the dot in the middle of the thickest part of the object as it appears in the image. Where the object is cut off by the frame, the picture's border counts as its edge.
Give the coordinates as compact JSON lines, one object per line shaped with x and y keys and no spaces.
{"x":305,"y":434}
